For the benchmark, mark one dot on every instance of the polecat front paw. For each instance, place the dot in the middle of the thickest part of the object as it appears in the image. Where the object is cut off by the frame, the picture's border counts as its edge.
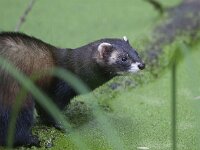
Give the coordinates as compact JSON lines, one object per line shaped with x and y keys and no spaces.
{"x":33,"y":141}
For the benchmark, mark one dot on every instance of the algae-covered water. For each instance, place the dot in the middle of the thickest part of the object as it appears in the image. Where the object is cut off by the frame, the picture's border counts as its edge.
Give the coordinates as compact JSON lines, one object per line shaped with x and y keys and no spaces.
{"x":129,"y":117}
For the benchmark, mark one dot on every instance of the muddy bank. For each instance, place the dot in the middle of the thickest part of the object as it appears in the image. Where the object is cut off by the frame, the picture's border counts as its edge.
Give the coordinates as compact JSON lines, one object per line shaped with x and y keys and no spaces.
{"x":178,"y":21}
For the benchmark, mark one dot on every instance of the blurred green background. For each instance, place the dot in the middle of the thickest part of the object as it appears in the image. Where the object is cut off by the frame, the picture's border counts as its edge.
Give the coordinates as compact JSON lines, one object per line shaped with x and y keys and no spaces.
{"x":142,"y":116}
{"x":72,"y":23}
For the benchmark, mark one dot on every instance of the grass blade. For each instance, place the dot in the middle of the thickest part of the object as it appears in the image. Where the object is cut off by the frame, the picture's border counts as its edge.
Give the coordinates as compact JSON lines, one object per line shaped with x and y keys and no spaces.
{"x":174,"y":109}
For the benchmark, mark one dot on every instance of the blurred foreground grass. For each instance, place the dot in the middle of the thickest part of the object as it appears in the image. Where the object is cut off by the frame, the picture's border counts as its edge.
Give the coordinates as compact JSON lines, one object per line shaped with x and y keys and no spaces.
{"x":141,"y":116}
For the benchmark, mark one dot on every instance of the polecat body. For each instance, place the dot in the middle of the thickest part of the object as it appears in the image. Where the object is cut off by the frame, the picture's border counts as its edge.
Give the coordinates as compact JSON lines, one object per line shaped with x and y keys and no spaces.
{"x":94,"y":63}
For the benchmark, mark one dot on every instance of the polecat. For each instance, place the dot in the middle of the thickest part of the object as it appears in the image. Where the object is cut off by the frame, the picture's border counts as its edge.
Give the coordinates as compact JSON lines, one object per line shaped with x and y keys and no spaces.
{"x":94,"y":63}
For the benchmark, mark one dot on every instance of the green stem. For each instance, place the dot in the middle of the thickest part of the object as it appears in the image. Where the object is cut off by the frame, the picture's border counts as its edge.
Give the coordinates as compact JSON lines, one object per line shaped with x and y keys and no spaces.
{"x":174,"y":110}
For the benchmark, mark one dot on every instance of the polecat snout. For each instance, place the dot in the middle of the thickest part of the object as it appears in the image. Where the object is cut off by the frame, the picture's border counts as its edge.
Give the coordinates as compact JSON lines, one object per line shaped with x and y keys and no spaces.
{"x":94,"y":63}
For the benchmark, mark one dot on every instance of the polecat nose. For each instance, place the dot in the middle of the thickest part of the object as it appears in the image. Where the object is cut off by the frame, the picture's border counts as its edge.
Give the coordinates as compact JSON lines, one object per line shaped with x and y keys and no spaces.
{"x":141,"y":66}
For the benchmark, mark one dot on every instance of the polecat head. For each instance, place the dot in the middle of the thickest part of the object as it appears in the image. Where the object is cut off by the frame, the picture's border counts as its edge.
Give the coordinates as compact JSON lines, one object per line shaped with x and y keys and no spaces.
{"x":118,"y":56}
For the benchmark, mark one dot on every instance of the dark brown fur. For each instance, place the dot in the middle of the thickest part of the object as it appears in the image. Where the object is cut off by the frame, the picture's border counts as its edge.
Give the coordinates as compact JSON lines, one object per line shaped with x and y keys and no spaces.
{"x":28,"y":55}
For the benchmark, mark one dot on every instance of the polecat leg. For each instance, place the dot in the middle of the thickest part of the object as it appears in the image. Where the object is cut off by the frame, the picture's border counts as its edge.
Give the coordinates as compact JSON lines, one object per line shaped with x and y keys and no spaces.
{"x":23,"y":135}
{"x":47,"y":119}
{"x":61,"y":94}
{"x":23,"y":132}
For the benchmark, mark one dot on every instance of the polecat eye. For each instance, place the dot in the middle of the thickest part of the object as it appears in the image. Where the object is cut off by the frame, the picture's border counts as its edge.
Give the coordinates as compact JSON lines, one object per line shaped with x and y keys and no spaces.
{"x":124,"y":59}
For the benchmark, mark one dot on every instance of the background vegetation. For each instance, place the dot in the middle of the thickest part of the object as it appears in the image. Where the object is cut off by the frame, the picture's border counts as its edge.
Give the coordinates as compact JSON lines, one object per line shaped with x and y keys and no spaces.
{"x":128,"y":117}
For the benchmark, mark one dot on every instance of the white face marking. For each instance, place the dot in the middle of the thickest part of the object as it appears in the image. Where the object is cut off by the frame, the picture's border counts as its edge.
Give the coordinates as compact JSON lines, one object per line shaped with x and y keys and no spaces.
{"x":134,"y":67}
{"x":125,"y":38}
{"x":113,"y":57}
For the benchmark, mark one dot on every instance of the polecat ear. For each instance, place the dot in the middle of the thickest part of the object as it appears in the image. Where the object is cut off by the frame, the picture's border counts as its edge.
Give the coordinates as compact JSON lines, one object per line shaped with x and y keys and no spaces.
{"x":104,"y":49}
{"x":125,"y":39}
